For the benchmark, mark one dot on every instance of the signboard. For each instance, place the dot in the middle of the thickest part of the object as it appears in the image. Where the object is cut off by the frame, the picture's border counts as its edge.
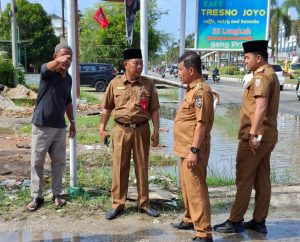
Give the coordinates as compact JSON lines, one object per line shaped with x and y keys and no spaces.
{"x":225,"y":25}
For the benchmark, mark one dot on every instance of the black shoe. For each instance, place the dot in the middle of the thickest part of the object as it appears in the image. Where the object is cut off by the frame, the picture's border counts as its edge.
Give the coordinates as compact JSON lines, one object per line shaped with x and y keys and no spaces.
{"x":113,"y":213}
{"x":149,"y":211}
{"x":229,"y":227}
{"x":183,"y":225}
{"x":258,"y":227}
{"x":202,"y":239}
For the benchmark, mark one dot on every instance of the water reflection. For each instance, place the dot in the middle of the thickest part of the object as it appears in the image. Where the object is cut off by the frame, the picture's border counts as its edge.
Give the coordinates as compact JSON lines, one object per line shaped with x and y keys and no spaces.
{"x":285,"y":162}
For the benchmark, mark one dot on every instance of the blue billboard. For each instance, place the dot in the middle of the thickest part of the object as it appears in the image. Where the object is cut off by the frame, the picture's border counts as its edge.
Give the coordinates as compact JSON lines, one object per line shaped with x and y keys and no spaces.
{"x":226,"y":24}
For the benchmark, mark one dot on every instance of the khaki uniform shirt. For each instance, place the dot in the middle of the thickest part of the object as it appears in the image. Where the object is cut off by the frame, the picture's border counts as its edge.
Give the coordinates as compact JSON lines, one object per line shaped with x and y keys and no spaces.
{"x":263,"y":84}
{"x":196,"y":106}
{"x":124,"y":98}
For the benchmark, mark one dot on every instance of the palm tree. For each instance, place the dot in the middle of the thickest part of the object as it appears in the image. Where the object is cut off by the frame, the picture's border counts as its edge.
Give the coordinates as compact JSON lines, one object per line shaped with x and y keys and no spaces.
{"x":278,"y":18}
{"x":296,"y":26}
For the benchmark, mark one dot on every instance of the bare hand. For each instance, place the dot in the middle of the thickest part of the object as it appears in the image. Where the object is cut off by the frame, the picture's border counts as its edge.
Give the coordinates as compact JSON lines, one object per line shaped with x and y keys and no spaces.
{"x":253,"y":144}
{"x":104,"y":135}
{"x":155,"y":139}
{"x":192,"y":160}
{"x":72,"y":131}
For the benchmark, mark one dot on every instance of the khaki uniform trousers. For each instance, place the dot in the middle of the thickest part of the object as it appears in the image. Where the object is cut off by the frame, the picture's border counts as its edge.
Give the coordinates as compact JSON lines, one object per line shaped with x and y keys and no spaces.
{"x":195,"y":194}
{"x":252,"y":171}
{"x":126,"y":140}
{"x":52,"y":141}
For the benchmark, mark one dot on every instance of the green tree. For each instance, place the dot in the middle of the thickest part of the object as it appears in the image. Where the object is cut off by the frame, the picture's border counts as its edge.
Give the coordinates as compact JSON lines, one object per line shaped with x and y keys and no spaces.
{"x":278,"y":18}
{"x":34,"y":26}
{"x":98,"y":45}
{"x":296,"y":26}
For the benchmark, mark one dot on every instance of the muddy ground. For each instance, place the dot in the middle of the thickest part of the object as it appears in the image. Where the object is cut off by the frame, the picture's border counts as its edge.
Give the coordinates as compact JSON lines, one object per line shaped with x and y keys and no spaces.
{"x":283,"y":221}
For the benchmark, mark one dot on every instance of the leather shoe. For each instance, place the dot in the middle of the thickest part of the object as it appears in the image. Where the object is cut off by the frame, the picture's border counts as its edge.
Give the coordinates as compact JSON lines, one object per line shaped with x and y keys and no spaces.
{"x":183,"y":225}
{"x":113,"y":213}
{"x":149,"y":211}
{"x":258,"y":227}
{"x":229,"y":227}
{"x":202,"y":239}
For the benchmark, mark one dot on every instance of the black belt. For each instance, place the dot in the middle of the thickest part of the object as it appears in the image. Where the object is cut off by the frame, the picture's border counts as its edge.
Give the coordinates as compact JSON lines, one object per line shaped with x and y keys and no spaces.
{"x":132,"y":125}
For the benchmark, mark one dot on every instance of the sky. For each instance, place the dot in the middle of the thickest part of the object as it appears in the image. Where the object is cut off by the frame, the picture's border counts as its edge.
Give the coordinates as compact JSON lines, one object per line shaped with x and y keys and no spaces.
{"x":169,"y":23}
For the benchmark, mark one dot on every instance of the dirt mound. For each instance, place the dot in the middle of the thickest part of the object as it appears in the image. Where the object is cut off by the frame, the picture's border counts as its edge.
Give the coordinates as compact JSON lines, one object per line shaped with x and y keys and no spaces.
{"x":18,"y":92}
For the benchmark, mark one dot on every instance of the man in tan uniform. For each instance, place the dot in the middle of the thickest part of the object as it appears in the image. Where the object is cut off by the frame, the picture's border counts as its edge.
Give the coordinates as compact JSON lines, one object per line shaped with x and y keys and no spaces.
{"x":134,"y":101}
{"x":192,"y":127}
{"x":258,"y":136}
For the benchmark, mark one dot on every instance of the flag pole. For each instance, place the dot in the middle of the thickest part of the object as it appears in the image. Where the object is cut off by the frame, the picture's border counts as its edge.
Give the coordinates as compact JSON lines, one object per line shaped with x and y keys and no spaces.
{"x":144,"y":34}
{"x":71,"y":42}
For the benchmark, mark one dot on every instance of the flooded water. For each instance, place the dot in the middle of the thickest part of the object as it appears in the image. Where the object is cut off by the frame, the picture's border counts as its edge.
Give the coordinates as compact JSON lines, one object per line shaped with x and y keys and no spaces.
{"x":285,"y":159}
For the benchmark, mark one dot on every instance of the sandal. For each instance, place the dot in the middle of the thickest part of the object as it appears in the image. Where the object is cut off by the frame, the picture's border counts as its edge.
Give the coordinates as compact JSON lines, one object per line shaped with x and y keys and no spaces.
{"x":58,"y":200}
{"x":35,"y":204}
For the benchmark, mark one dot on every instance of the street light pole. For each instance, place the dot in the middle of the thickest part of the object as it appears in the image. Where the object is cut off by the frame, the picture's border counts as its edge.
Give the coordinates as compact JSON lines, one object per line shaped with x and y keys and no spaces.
{"x":14,"y":44}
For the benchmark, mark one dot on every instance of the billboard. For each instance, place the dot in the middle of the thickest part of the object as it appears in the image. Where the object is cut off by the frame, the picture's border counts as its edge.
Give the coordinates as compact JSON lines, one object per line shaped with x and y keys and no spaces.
{"x":226,"y":24}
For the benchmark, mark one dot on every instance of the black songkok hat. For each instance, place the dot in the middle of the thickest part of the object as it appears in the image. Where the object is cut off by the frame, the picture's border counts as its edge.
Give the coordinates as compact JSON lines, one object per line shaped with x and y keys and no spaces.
{"x":132,"y":54}
{"x":255,"y":46}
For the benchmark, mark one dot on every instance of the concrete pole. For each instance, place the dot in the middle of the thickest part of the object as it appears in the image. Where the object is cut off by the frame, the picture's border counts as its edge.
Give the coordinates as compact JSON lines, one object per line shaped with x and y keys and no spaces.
{"x":181,"y":51}
{"x":71,"y":42}
{"x":14,"y":44}
{"x":144,"y":34}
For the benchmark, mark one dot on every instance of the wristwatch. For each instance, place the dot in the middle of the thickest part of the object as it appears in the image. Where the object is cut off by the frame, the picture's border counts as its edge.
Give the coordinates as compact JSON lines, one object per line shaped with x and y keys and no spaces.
{"x":195,"y":150}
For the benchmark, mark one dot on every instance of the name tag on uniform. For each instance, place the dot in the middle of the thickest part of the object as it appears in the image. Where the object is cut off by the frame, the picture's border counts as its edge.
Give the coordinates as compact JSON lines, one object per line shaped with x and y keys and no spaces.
{"x":120,"y":88}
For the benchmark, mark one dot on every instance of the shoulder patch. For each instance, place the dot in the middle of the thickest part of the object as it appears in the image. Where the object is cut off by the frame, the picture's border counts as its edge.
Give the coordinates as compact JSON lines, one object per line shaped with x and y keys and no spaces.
{"x":198,"y":101}
{"x":257,"y":82}
{"x":199,"y":86}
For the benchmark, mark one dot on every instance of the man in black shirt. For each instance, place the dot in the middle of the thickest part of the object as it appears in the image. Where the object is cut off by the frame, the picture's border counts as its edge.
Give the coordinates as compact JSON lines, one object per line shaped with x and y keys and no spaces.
{"x":49,"y":127}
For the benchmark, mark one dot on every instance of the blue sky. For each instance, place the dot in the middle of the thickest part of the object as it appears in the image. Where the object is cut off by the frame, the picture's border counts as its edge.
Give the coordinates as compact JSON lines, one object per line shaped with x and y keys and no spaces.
{"x":170,"y":23}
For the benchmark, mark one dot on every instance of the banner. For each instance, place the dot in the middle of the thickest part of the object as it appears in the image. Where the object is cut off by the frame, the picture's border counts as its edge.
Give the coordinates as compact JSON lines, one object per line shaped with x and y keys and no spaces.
{"x":101,"y":18}
{"x":131,"y":7}
{"x":225,"y":25}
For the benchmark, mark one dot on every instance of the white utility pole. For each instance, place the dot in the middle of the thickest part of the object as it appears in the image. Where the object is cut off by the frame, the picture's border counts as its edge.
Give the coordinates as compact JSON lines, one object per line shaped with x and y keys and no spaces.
{"x":71,"y":42}
{"x":144,"y":34}
{"x":14,"y":43}
{"x":181,"y":51}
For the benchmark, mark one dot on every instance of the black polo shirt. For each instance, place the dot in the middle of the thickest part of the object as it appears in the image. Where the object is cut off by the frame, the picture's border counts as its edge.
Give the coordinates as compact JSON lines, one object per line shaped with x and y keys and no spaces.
{"x":53,"y":96}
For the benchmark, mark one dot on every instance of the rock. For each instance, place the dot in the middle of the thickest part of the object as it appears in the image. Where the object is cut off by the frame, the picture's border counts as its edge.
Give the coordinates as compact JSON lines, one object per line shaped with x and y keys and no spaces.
{"x":19,"y":91}
{"x":6,"y":103}
{"x":155,"y":193}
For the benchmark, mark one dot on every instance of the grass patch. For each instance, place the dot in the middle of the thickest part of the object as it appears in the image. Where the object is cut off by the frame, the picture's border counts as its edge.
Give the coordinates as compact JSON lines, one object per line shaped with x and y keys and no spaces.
{"x":24,"y":102}
{"x":89,"y":98}
{"x":228,"y":124}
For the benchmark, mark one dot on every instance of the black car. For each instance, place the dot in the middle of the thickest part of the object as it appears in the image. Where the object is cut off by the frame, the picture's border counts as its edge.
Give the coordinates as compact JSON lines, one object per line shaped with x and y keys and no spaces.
{"x":96,"y":75}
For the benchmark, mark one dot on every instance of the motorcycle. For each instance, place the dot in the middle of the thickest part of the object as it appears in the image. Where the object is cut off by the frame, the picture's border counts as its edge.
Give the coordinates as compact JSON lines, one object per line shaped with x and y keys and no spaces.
{"x":163,"y":73}
{"x":216,"y":78}
{"x":175,"y":73}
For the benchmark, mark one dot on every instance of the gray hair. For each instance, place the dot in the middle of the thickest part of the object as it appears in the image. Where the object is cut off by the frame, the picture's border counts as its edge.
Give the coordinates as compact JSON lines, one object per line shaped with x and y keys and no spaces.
{"x":62,"y":46}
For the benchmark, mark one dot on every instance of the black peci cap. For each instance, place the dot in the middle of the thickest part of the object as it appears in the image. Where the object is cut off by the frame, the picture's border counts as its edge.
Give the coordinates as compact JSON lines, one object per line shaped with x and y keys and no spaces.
{"x":132,"y":54}
{"x":255,"y":46}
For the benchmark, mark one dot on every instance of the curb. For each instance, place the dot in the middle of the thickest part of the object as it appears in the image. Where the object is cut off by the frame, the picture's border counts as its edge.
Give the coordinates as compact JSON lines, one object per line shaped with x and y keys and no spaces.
{"x":234,"y":79}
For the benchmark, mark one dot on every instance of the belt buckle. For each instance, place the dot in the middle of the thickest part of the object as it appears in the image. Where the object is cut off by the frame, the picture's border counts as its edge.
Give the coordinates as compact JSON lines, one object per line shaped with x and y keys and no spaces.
{"x":133,"y":126}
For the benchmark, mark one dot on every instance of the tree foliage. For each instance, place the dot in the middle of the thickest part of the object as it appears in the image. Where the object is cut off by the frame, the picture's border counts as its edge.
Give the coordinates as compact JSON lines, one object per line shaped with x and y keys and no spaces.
{"x":296,"y":26}
{"x":35,"y":27}
{"x":107,"y":45}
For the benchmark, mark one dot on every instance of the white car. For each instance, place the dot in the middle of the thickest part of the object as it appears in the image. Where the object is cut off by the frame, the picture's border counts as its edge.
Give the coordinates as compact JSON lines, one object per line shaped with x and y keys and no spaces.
{"x":278,"y":70}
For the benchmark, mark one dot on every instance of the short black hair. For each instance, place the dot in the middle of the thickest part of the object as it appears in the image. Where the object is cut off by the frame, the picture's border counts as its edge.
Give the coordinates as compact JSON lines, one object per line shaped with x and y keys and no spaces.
{"x":264,"y":55}
{"x":191,"y":59}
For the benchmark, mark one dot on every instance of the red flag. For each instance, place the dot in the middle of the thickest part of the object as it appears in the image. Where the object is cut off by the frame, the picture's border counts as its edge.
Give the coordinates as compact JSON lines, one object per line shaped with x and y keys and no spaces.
{"x":101,"y":18}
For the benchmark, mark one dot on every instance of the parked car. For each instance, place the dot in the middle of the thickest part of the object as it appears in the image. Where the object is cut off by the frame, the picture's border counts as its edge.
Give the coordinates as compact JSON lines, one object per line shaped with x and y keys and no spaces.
{"x":96,"y":75}
{"x":294,"y":70}
{"x":205,"y":72}
{"x":173,"y":69}
{"x":277,"y":69}
{"x":279,"y":72}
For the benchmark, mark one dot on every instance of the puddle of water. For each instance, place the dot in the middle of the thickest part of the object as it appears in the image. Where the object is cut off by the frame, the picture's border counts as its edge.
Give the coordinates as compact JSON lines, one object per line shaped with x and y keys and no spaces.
{"x":285,"y":159}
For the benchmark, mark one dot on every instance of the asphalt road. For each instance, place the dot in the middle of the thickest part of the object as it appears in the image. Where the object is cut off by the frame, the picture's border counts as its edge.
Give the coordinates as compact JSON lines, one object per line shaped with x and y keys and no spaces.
{"x":231,"y":93}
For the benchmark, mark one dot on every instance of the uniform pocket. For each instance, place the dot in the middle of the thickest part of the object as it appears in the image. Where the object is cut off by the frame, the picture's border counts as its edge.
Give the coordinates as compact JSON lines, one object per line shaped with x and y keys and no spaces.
{"x":121,"y":97}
